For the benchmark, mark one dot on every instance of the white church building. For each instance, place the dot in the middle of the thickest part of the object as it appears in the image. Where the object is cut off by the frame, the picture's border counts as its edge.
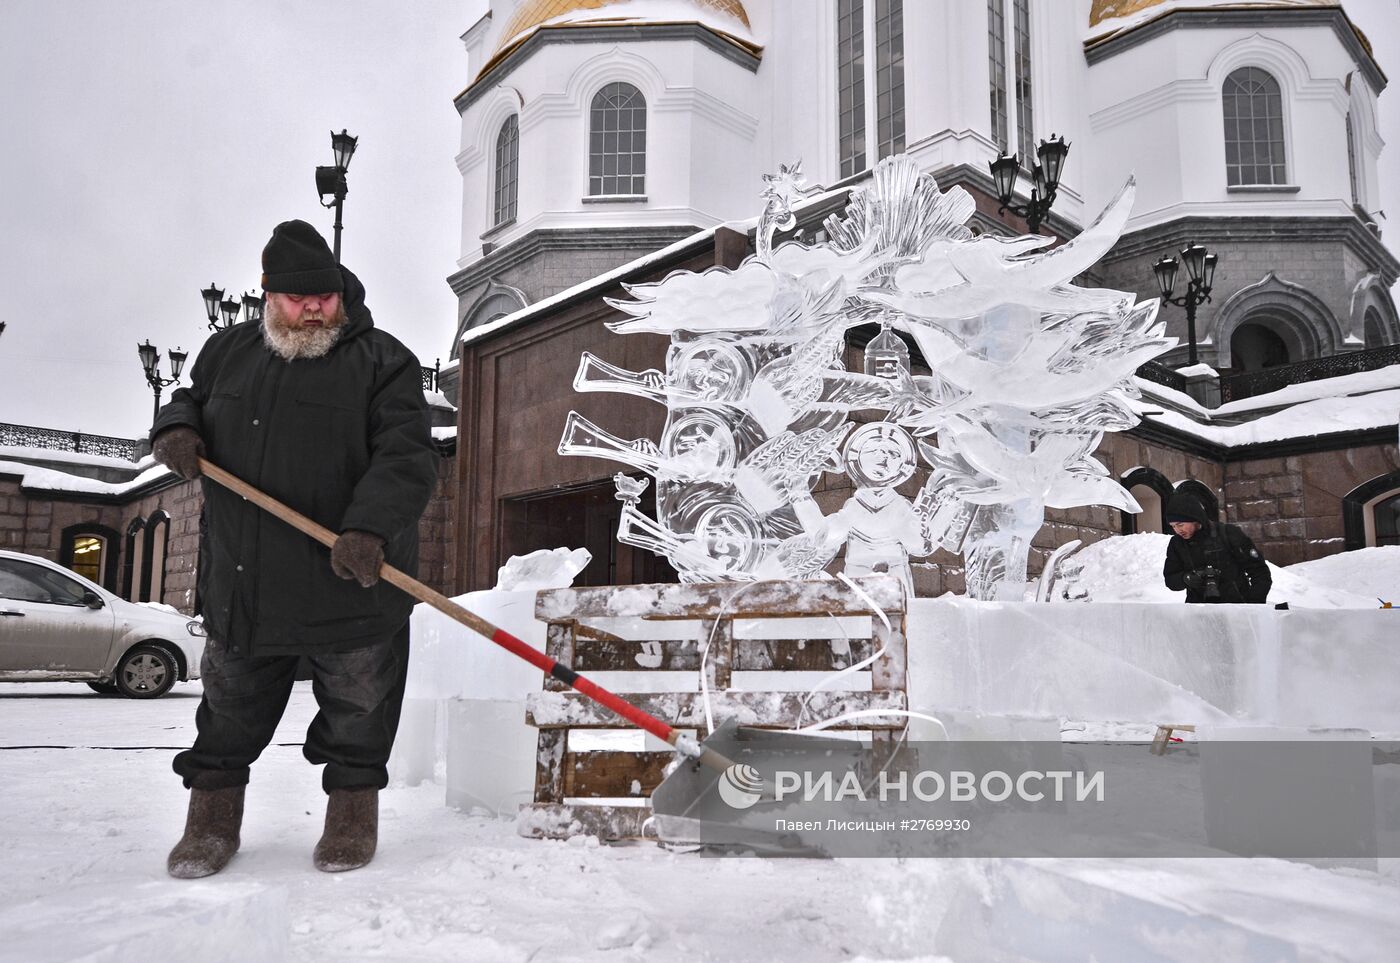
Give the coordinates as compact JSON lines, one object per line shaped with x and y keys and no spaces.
{"x":613,"y":141}
{"x":595,"y":131}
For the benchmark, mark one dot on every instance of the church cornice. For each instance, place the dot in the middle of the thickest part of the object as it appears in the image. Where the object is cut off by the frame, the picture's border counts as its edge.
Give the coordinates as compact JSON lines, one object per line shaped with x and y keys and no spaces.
{"x":1313,"y":230}
{"x":725,"y":46}
{"x":1096,"y":50}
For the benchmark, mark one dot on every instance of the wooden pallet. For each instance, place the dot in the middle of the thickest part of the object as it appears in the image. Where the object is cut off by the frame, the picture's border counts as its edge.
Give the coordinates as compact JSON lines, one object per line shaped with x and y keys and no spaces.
{"x":587,"y":791}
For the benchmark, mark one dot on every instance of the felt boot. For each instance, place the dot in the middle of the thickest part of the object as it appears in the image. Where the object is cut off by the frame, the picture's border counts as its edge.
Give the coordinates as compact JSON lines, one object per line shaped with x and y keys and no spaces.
{"x":211,"y":833}
{"x":352,"y":830}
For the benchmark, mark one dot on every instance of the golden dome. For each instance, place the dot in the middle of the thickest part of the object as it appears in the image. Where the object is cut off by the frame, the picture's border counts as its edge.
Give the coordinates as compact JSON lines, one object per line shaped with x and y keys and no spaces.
{"x":1112,"y":9}
{"x":531,"y":15}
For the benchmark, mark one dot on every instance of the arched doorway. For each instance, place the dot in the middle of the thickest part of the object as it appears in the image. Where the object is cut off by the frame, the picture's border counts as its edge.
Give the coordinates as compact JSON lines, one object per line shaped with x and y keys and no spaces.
{"x":1255,"y":346}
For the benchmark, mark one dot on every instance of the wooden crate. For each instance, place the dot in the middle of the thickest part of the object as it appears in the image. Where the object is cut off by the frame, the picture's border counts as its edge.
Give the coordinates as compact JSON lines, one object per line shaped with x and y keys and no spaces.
{"x":567,"y":780}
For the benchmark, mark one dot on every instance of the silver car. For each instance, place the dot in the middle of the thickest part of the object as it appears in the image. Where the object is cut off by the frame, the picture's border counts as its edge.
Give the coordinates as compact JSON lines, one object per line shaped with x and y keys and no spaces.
{"x":57,"y":625}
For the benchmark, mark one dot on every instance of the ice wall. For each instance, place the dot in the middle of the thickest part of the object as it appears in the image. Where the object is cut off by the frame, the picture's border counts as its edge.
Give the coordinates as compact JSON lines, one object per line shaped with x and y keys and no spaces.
{"x":1138,"y":662}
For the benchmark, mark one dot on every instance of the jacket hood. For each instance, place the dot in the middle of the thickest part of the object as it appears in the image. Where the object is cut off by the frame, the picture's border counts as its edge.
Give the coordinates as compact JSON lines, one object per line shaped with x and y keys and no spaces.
{"x":1187,"y":506}
{"x":358,"y":319}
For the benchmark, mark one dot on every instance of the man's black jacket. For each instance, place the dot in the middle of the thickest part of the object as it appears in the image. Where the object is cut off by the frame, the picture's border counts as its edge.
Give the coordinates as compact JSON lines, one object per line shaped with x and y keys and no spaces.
{"x":1244,"y":574}
{"x":343,"y":439}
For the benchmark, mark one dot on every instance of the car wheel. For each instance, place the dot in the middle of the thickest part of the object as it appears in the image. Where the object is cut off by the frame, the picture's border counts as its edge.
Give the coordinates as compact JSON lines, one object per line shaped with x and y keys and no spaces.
{"x":104,"y":688}
{"x":146,"y":672}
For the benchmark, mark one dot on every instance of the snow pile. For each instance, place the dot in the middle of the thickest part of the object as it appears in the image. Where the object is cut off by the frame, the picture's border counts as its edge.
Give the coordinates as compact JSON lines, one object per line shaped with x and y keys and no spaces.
{"x":1373,"y":572}
{"x":1128,"y":568}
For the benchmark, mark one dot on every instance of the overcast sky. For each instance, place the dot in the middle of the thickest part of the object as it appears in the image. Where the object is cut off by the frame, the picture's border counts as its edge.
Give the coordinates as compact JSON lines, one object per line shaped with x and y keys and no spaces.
{"x":149,"y":146}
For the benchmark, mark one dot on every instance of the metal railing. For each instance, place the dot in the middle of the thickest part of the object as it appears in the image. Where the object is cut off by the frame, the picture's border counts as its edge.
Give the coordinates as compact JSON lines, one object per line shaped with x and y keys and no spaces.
{"x":27,"y":436}
{"x":1159,"y":373}
{"x":430,"y":375}
{"x":1251,"y":383}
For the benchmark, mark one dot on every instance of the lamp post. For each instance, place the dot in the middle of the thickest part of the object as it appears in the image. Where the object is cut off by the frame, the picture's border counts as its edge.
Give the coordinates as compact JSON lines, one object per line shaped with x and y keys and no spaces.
{"x":330,"y":181}
{"x":150,"y":361}
{"x":1045,"y":181}
{"x":223,"y":312}
{"x":1200,"y":267}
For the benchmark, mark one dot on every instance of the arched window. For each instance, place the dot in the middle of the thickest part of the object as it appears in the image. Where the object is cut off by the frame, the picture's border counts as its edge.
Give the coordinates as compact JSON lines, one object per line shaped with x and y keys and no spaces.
{"x":153,"y":557}
{"x":1151,"y":489}
{"x":1385,"y":516}
{"x":617,"y":141}
{"x":868,"y":87}
{"x":90,"y":550}
{"x":1373,"y":328}
{"x":133,"y":551}
{"x":1253,"y":108}
{"x":1371,"y":512}
{"x":1011,"y":47}
{"x":507,"y":169}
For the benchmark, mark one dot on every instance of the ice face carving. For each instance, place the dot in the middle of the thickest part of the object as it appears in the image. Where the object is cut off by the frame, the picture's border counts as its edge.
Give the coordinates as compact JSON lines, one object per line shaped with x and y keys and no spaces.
{"x":1027,"y":371}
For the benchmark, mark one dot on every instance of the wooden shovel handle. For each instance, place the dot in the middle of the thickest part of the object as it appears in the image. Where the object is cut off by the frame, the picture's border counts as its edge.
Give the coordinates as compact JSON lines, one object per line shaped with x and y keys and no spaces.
{"x":452,"y":610}
{"x":328,"y":538}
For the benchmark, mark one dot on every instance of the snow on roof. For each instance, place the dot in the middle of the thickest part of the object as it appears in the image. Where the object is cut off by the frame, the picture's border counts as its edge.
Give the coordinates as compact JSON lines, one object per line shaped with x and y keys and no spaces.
{"x":1322,"y":416}
{"x":437,"y":399}
{"x":69,"y":457}
{"x":49,"y":479}
{"x":1360,"y":382}
{"x":1353,"y":402}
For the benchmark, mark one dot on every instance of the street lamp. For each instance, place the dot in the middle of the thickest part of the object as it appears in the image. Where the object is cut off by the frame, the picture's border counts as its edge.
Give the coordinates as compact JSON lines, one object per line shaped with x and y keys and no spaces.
{"x":223,"y":312}
{"x":1045,"y":181}
{"x":1200,"y":269}
{"x":330,"y":181}
{"x":150,"y":361}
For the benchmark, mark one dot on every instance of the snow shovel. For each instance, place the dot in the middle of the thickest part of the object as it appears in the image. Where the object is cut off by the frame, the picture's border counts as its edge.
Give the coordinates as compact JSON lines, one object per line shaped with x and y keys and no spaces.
{"x":687,"y":746}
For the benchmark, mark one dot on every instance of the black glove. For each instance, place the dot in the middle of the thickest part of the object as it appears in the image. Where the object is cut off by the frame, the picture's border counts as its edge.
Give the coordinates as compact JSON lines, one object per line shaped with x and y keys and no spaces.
{"x":179,"y":449}
{"x":358,"y":555}
{"x":1194,"y":578}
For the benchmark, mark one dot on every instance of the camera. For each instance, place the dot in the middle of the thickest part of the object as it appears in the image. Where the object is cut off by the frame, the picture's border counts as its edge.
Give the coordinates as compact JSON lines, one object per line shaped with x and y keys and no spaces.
{"x":1210,"y":583}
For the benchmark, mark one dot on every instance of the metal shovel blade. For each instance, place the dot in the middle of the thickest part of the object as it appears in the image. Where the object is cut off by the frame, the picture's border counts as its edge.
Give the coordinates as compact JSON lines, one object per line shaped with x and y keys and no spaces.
{"x":735,"y":810}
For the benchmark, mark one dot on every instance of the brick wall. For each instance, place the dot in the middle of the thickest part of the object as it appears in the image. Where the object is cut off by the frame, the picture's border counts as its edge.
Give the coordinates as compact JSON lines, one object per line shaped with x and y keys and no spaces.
{"x":1292,"y":507}
{"x":437,"y":554}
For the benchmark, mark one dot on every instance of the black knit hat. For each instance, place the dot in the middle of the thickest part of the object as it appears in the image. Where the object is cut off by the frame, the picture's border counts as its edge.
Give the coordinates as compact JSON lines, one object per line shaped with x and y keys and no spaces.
{"x":298,"y":261}
{"x":1185,"y":507}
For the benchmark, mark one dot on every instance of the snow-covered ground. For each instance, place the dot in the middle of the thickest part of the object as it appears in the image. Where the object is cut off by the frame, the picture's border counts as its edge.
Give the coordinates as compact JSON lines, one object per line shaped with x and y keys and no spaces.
{"x":1128,"y":568}
{"x":91,"y":808}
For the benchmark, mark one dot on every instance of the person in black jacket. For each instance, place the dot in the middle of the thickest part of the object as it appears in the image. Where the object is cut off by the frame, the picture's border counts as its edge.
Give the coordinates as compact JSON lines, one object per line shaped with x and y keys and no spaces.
{"x":325,"y":412}
{"x":1212,"y":561}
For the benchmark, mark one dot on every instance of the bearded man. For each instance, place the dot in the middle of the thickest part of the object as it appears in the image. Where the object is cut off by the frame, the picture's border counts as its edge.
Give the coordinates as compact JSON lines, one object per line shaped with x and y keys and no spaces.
{"x":325,"y":412}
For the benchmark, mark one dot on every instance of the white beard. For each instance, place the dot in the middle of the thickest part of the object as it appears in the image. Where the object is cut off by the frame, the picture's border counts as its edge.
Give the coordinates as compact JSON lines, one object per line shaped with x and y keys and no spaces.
{"x":289,"y":343}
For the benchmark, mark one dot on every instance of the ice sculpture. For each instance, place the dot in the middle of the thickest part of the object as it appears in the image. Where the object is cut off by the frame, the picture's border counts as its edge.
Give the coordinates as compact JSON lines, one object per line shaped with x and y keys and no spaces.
{"x":1026,"y":373}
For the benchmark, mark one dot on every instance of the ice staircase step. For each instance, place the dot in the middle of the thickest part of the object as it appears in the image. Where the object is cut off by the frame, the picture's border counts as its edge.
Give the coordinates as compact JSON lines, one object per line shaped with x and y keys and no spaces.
{"x":1167,"y":911}
{"x":213,"y":922}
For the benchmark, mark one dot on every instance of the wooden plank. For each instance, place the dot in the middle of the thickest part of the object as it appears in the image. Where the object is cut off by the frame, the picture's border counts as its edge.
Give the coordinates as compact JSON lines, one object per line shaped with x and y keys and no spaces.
{"x":718,"y":635}
{"x":562,"y":820}
{"x":750,"y":655}
{"x":889,"y":671}
{"x":614,"y":774}
{"x":685,"y":710}
{"x":799,"y":655}
{"x":559,"y":646}
{"x":549,"y":765}
{"x":772,"y":600}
